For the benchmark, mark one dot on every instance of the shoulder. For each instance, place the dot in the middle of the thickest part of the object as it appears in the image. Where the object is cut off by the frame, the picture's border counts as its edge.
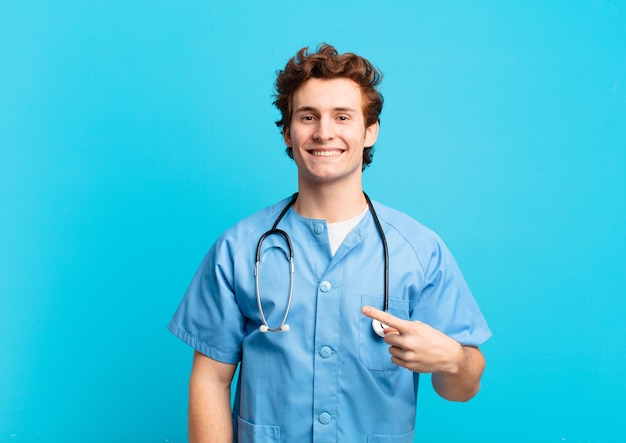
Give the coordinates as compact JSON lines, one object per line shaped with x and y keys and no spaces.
{"x":252,"y":226}
{"x":401,"y":228}
{"x":404,"y":224}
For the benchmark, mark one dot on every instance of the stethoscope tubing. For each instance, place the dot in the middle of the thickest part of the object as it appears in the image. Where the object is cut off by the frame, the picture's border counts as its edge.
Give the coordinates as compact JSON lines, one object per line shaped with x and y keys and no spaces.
{"x":376,"y":325}
{"x":283,"y":324}
{"x":379,"y":228}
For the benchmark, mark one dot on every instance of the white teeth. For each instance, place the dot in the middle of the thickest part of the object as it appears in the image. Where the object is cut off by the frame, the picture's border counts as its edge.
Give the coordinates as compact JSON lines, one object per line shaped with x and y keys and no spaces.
{"x":326,"y":153}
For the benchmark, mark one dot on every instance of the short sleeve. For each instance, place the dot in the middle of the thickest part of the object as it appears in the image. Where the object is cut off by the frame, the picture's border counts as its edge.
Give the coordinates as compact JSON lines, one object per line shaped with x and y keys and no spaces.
{"x":446,"y":302}
{"x":208,"y":318}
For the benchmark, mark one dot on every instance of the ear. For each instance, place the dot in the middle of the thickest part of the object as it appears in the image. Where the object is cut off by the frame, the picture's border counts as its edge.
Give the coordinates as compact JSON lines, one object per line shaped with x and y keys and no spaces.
{"x":371,"y":134}
{"x":287,"y":137}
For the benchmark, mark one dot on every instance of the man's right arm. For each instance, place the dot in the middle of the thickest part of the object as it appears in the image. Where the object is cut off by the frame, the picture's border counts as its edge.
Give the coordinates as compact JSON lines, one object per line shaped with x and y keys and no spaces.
{"x":210,"y":417}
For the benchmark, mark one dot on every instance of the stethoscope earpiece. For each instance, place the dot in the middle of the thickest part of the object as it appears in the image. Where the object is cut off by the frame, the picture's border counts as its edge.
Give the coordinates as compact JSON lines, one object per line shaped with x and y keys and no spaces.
{"x":283,"y":328}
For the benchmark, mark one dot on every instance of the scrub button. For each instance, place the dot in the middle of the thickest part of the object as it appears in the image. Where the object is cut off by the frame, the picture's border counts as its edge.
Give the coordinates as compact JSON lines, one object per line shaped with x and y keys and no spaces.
{"x":326,"y":352}
{"x":325,"y":286}
{"x":318,"y":228}
{"x":325,"y":418}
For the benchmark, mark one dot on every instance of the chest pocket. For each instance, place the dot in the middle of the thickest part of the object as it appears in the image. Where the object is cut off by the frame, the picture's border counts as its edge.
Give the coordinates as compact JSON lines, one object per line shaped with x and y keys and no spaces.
{"x":373,"y":351}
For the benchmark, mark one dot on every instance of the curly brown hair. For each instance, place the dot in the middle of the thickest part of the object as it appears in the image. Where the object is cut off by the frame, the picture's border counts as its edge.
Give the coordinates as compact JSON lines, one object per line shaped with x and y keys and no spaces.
{"x":327,"y":63}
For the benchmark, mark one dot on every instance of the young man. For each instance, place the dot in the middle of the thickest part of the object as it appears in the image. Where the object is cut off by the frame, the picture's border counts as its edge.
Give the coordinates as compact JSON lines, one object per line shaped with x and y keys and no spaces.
{"x":333,"y":350}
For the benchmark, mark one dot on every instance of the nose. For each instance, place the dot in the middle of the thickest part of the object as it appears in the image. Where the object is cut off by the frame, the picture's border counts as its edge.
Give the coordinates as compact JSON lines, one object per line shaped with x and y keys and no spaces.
{"x":324,"y":130}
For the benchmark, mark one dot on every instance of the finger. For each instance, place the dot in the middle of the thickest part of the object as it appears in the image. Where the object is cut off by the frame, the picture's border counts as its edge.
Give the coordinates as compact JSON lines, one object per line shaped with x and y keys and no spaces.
{"x":397,"y":357}
{"x":385,"y":317}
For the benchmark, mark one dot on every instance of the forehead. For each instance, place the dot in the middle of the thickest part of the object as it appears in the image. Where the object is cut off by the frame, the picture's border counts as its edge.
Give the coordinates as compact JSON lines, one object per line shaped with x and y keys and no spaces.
{"x":328,"y":93}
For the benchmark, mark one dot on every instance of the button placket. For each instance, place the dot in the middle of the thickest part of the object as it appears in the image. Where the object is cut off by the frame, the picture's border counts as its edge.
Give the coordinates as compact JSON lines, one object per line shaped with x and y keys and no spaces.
{"x":326,"y":368}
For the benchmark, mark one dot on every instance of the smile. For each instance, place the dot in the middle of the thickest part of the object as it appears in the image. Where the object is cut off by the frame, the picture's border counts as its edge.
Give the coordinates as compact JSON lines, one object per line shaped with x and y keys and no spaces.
{"x":327,"y":153}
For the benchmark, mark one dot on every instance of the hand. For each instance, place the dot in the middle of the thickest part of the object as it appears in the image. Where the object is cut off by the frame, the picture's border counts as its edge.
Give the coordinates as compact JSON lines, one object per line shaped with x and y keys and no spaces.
{"x":417,"y":346}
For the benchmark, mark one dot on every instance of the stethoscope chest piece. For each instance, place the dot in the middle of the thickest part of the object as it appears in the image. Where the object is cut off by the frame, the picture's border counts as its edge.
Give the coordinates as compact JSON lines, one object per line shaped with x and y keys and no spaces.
{"x":379,"y":327}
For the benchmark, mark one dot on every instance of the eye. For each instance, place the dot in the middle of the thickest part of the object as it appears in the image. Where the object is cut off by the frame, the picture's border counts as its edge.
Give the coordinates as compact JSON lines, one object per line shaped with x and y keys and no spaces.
{"x":343,"y":118}
{"x":307,"y":118}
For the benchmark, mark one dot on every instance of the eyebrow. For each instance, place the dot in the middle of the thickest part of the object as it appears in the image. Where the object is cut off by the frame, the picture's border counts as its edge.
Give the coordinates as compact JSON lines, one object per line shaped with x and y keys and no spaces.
{"x":336,"y":109}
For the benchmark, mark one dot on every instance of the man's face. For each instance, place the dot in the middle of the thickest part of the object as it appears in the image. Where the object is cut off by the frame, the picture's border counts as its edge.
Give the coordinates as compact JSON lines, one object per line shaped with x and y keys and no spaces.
{"x":327,"y":131}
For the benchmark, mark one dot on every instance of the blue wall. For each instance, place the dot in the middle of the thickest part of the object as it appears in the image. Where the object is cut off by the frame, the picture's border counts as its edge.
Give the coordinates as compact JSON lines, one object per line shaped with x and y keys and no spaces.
{"x":133,"y":133}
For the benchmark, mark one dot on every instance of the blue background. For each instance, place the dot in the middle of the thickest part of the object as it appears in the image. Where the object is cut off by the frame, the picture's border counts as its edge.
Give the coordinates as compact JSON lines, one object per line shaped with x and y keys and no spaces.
{"x":133,"y":133}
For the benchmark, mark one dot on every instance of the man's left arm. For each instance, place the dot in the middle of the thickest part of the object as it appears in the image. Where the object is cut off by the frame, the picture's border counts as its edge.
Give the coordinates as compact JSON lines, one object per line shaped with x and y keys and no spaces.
{"x":463,"y":382}
{"x":456,"y":370}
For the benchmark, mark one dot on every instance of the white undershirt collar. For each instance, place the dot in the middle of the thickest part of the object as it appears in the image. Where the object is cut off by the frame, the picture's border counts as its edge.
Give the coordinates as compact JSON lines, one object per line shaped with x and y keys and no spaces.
{"x":338,"y":231}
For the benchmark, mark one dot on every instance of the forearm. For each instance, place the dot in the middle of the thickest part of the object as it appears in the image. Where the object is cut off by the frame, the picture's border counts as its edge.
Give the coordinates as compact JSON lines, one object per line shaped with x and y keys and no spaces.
{"x":462,"y":381}
{"x":209,"y":416}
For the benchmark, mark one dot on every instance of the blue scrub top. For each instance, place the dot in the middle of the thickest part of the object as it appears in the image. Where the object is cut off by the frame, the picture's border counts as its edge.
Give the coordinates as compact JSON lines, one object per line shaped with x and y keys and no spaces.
{"x":330,"y":378}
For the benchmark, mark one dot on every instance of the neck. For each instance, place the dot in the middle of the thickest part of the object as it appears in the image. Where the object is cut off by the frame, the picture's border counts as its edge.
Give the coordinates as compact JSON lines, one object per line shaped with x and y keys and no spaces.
{"x":331,"y":203}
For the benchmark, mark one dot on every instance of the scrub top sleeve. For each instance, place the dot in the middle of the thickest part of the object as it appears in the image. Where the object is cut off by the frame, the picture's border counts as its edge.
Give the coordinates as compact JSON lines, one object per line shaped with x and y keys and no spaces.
{"x":446,"y":302}
{"x":208,"y":319}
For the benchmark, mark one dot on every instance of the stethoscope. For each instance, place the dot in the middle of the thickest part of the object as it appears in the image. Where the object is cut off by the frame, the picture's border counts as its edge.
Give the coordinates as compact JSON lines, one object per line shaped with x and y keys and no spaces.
{"x":377,"y":326}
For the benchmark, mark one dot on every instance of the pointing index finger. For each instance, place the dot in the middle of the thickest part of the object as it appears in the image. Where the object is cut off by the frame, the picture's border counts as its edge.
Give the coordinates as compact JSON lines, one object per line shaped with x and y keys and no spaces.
{"x":384,"y":317}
